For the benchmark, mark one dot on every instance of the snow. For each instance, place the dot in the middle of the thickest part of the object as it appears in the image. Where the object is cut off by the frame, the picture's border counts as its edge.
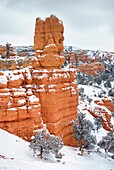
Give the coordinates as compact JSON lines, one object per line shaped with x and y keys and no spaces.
{"x":112,"y":84}
{"x":28,"y":74}
{"x":12,"y":109}
{"x":3,"y":79}
{"x":61,"y":56}
{"x":18,"y":156}
{"x":50,"y":45}
{"x":23,"y":107}
{"x":29,"y":92}
{"x":52,"y":90}
{"x":5,"y":94}
{"x":40,"y":77}
{"x":92,"y":92}
{"x":15,"y":77}
{"x":33,"y":99}
{"x":19,"y":93}
{"x":21,"y":101}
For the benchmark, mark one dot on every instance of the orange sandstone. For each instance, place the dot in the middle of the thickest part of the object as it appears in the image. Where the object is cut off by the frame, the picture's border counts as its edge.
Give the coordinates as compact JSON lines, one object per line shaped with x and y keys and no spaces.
{"x":44,"y":94}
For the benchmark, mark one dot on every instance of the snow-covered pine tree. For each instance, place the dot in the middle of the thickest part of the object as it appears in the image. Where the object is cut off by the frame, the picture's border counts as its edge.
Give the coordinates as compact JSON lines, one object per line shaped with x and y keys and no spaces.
{"x":43,"y":141}
{"x":98,"y":123}
{"x":7,"y":49}
{"x":107,"y":143}
{"x":82,"y":132}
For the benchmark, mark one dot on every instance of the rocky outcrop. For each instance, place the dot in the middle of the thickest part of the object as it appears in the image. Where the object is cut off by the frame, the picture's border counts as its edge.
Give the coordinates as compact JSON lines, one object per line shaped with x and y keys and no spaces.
{"x":42,"y":93}
{"x":48,"y":42}
{"x":13,"y":63}
{"x":20,"y":109}
{"x":29,"y":98}
{"x":84,"y":63}
{"x":2,"y":49}
{"x":104,"y":116}
{"x":48,"y":31}
{"x":102,"y":110}
{"x":94,"y":63}
{"x":58,"y":92}
{"x":91,"y":69}
{"x":59,"y":99}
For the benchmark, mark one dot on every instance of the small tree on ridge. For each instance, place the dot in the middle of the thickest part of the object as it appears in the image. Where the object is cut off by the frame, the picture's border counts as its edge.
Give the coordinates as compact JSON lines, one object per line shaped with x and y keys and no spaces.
{"x":43,"y":141}
{"x":82,"y":132}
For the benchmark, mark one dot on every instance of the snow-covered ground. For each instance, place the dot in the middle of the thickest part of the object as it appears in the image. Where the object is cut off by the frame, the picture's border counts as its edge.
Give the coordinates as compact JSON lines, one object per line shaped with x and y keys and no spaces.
{"x":17,"y":156}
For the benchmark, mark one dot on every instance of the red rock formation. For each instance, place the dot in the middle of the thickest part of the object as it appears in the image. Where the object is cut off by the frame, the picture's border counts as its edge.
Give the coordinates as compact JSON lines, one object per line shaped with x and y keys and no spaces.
{"x":43,"y":94}
{"x":2,"y":49}
{"x":83,"y":63}
{"x":91,"y":68}
{"x":58,"y":92}
{"x":101,"y":112}
{"x":108,"y":104}
{"x":20,"y":109}
{"x":52,"y":96}
{"x":59,"y":100}
{"x":104,"y":116}
{"x":49,"y":31}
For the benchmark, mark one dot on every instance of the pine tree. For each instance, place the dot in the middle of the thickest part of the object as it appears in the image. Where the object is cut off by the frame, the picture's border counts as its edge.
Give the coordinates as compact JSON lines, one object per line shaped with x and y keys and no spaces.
{"x":98,"y":123}
{"x":107,"y":143}
{"x":7,"y":49}
{"x":82,"y":132}
{"x":43,"y":141}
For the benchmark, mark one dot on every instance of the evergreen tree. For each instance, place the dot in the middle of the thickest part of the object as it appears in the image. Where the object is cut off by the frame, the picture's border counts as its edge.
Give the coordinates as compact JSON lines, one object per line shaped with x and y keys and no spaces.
{"x":98,"y":123}
{"x":7,"y":49}
{"x":43,"y":141}
{"x":82,"y":132}
{"x":107,"y":143}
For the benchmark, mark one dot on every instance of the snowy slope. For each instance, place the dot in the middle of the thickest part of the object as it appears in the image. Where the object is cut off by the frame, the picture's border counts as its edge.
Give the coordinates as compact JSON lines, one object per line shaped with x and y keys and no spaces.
{"x":19,"y":157}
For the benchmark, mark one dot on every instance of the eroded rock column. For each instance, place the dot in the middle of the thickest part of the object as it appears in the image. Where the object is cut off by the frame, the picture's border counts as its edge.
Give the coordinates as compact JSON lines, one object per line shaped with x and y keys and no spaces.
{"x":56,"y":87}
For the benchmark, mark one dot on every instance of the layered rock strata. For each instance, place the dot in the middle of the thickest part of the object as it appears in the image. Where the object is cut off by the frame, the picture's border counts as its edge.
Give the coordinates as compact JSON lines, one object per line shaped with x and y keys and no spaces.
{"x":83,"y":63}
{"x":42,"y":93}
{"x":48,"y":31}
{"x":29,"y":98}
{"x":59,"y":99}
{"x":58,"y":93}
{"x":20,"y":109}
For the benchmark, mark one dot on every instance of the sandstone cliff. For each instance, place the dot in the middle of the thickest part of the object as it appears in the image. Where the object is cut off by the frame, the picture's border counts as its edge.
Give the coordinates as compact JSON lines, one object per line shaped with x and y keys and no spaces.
{"x":84,"y":63}
{"x":94,"y":70}
{"x":36,"y":91}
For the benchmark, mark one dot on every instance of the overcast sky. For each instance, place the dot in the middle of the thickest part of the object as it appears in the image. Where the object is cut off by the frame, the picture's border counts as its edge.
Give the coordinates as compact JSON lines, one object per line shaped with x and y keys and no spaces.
{"x":89,"y":24}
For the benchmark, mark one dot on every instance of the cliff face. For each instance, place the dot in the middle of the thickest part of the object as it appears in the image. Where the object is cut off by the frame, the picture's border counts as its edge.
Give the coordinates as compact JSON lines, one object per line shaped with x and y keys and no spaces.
{"x":84,"y":63}
{"x":29,"y":98}
{"x":42,"y":93}
{"x":94,"y":70}
{"x":20,"y":109}
{"x":59,"y":99}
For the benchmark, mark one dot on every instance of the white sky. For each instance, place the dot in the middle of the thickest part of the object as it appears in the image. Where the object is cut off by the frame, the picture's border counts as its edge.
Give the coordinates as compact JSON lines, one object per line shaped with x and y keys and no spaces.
{"x":89,"y":24}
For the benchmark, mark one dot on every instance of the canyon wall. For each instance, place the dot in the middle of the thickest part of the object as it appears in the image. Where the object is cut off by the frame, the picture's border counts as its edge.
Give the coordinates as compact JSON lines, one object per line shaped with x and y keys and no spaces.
{"x":83,"y":63}
{"x":94,"y":64}
{"x":20,"y":109}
